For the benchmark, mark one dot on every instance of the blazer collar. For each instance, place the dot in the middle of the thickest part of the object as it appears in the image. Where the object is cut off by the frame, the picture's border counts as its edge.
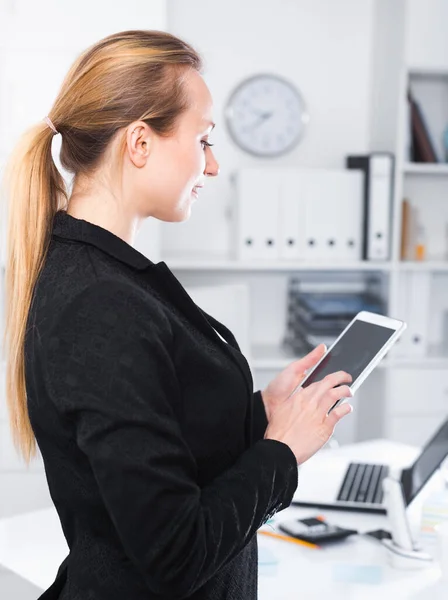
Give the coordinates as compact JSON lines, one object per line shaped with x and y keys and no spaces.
{"x":69,"y":227}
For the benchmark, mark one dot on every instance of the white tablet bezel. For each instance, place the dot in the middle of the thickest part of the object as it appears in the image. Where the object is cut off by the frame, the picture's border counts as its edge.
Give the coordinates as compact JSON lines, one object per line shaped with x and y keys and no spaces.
{"x":367,"y":317}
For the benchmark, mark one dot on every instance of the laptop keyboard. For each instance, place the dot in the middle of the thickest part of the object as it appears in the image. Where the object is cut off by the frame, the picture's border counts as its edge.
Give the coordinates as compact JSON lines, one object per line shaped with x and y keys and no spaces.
{"x":363,"y":483}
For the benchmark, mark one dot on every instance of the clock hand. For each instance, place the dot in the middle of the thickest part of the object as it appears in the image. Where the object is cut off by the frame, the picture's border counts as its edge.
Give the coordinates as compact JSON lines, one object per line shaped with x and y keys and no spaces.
{"x":261,"y":119}
{"x":256,"y":111}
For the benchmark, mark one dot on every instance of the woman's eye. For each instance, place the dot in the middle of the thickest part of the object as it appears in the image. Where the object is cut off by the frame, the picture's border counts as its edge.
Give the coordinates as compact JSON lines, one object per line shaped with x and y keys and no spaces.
{"x":206,"y":144}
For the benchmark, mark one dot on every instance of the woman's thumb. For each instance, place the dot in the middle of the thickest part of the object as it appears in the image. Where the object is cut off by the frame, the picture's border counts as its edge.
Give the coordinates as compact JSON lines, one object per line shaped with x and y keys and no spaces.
{"x":311,"y":359}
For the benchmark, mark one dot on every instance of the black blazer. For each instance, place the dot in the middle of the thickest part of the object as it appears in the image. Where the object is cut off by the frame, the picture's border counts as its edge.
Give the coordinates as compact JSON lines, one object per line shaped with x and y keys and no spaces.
{"x":150,"y":432}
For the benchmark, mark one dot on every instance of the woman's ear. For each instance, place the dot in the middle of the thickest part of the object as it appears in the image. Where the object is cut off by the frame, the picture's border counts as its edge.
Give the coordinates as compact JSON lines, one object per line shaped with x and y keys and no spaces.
{"x":139,"y":142}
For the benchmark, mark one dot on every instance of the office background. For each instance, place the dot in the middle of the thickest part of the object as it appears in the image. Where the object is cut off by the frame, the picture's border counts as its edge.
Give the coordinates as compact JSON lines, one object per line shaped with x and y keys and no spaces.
{"x":351,"y":60}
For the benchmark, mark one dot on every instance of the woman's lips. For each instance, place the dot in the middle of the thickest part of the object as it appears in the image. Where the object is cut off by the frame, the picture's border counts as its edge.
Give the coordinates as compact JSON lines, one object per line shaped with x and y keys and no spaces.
{"x":196,"y":189}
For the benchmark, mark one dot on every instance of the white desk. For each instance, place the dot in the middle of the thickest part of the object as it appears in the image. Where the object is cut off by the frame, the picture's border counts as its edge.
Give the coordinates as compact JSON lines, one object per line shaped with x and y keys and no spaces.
{"x":332,"y":572}
{"x":33,"y":546}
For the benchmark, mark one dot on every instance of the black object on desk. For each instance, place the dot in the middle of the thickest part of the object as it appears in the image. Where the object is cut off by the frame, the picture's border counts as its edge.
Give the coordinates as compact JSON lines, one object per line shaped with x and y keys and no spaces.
{"x":315,"y":530}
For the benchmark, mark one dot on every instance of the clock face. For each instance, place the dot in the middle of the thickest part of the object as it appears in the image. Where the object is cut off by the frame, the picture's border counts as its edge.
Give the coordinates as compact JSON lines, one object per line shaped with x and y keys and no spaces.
{"x":266,"y":115}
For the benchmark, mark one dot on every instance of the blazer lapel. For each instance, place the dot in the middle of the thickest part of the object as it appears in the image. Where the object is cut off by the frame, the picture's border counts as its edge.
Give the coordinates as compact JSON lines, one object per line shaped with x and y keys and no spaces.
{"x":230,"y":338}
{"x":207,"y":324}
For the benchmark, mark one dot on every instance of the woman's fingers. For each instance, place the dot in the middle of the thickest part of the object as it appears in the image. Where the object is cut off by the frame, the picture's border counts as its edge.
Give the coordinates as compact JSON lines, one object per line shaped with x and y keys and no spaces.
{"x":318,"y":389}
{"x":338,"y":378}
{"x":305,"y":423}
{"x":308,"y":361}
{"x":338,"y":413}
{"x":335,"y":394}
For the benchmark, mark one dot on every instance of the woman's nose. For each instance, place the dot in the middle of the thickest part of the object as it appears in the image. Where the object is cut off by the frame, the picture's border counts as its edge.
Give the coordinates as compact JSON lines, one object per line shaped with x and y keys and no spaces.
{"x":212,"y":166}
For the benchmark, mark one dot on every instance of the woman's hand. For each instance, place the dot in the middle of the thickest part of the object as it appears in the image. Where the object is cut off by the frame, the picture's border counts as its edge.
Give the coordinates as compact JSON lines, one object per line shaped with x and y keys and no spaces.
{"x":279,"y":388}
{"x":304,"y":422}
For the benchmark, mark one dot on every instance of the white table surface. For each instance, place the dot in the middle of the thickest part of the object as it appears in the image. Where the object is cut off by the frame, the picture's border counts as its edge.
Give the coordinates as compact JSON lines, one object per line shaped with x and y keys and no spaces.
{"x":33,"y":546}
{"x":336,"y":571}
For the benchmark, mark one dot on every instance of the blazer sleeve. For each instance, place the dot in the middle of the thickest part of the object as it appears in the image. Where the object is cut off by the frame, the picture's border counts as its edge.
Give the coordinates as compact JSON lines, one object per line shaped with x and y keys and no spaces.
{"x":260,"y":420}
{"x":110,"y":373}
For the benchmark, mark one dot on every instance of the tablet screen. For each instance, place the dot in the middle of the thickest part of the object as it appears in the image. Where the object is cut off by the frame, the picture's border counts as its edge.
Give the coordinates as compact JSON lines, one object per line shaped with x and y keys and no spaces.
{"x":353,"y":352}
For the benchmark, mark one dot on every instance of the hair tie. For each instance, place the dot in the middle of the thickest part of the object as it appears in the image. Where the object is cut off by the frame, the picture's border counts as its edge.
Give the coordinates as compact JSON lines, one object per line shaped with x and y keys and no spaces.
{"x":50,"y":124}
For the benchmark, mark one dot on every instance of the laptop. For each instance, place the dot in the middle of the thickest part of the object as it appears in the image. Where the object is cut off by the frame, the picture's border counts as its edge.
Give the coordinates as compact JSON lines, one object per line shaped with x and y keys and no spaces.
{"x":339,"y":482}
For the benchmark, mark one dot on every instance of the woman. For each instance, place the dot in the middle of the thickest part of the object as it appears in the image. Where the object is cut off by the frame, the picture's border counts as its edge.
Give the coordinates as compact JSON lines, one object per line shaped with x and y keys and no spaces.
{"x":161,"y":461}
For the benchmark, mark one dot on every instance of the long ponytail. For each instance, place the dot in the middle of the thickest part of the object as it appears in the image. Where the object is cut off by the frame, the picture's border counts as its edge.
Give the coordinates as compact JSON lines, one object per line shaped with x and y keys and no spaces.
{"x":36,"y":191}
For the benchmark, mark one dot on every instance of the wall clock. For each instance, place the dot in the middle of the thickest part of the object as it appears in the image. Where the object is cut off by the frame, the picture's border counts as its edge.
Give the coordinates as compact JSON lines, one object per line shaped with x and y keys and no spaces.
{"x":266,"y":115}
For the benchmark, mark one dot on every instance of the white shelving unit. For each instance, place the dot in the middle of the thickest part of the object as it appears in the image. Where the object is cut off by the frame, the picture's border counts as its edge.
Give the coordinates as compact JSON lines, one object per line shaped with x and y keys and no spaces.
{"x":417,"y":386}
{"x":408,"y":412}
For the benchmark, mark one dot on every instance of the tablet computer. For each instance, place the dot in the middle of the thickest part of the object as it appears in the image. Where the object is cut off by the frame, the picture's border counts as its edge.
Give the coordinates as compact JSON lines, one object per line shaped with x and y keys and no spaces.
{"x":357,"y":350}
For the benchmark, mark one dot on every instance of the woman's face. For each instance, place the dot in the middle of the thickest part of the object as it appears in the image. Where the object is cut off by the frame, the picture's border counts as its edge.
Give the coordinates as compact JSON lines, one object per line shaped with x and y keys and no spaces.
{"x":168,"y":181}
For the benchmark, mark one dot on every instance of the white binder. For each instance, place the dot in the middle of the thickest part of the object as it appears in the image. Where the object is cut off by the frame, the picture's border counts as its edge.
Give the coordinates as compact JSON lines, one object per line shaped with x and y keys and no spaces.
{"x":378,"y":195}
{"x":333,"y":214}
{"x":301,"y":214}
{"x":258,"y":201}
{"x":292,"y":215}
{"x":380,"y":202}
{"x":418,"y":298}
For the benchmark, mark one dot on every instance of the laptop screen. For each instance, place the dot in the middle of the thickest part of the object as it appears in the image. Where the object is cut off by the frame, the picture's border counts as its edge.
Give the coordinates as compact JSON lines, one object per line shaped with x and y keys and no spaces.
{"x":435,"y":451}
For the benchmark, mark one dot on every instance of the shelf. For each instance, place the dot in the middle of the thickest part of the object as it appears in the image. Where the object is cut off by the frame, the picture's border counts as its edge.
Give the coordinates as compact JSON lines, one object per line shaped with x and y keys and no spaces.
{"x":265,"y":356}
{"x":422,"y":362}
{"x":426,"y":169}
{"x":235,"y":265}
{"x":427,"y":72}
{"x":423,"y":265}
{"x":285,"y":266}
{"x":271,"y":357}
{"x":436,"y":357}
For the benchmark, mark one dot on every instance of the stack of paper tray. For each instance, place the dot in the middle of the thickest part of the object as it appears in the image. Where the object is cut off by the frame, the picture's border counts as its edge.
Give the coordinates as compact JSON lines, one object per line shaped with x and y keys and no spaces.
{"x":314,"y":318}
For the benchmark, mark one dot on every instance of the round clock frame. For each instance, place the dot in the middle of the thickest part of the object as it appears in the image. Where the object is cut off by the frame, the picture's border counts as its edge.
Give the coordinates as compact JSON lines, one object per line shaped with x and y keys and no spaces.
{"x":271,"y":103}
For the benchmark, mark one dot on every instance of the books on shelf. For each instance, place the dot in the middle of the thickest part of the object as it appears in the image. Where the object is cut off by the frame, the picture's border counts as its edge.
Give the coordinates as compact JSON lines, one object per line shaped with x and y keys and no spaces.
{"x":405,"y":229}
{"x":413,"y":238}
{"x":422,"y":148}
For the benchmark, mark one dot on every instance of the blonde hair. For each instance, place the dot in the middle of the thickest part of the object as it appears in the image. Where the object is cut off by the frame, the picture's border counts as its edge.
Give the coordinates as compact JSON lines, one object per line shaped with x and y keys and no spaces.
{"x":127,"y":76}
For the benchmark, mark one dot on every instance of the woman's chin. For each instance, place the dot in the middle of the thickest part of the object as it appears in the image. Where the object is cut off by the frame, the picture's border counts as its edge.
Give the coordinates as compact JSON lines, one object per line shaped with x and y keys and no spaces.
{"x":184,"y":212}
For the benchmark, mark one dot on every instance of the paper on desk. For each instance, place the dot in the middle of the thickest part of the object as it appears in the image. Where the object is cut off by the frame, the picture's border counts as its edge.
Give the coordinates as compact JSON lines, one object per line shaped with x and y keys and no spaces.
{"x":370,"y":574}
{"x":267,"y":562}
{"x":266,"y":556}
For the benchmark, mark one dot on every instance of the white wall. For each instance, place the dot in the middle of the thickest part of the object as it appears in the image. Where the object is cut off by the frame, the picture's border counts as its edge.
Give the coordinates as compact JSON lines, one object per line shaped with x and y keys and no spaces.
{"x":426,"y":33}
{"x":39,"y":41}
{"x":324,"y":47}
{"x":387,"y":61}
